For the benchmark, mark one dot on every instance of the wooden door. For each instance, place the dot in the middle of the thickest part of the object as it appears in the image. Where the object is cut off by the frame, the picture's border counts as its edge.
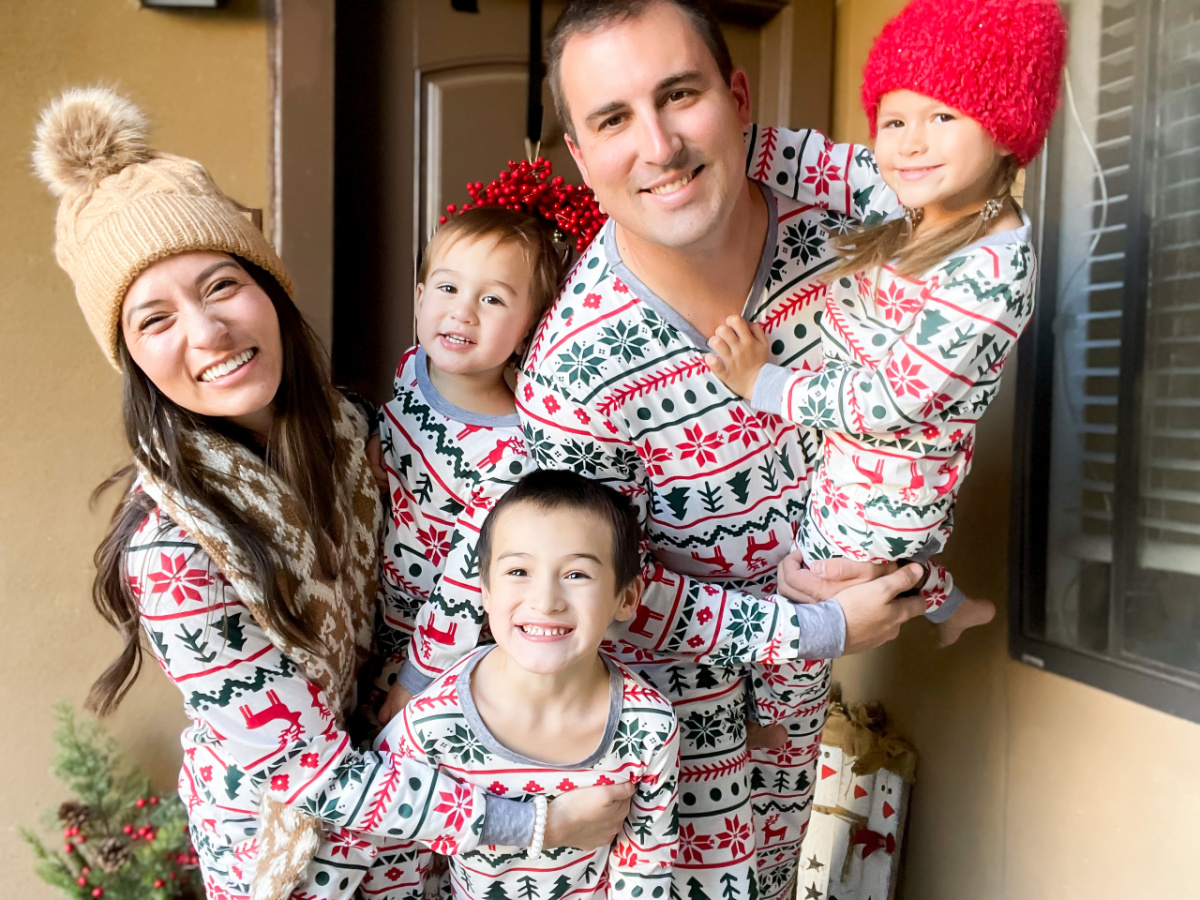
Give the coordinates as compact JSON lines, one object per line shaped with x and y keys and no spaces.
{"x":429,"y":98}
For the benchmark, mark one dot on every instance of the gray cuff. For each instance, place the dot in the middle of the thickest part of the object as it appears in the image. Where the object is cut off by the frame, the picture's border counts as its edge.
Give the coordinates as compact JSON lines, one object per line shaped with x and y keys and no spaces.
{"x":822,"y":629}
{"x":413,"y":679}
{"x":507,"y":823}
{"x":949,"y":607}
{"x":767,"y":395}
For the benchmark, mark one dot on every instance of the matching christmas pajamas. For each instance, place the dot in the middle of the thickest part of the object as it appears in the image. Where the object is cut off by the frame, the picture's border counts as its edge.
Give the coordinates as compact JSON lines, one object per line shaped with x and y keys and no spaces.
{"x":909,"y":367}
{"x":259,"y":727}
{"x":615,"y":386}
{"x":443,"y":728}
{"x":446,"y":468}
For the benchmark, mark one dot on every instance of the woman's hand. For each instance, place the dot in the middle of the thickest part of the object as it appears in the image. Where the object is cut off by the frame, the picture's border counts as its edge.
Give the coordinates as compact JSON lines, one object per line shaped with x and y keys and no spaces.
{"x":397,"y":698}
{"x":375,"y":458}
{"x":587,"y":817}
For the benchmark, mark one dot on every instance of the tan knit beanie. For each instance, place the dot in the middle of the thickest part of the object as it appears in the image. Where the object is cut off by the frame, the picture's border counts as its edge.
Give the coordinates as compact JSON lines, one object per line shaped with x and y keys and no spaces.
{"x":125,"y":206}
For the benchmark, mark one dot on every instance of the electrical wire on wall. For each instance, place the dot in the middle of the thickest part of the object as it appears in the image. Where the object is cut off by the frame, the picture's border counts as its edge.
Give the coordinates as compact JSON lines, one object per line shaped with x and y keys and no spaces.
{"x":1067,"y":316}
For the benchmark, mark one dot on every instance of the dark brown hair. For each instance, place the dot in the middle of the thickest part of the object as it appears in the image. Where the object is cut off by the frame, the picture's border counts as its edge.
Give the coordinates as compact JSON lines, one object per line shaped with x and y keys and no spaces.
{"x":550,"y":489}
{"x":893,"y":244}
{"x":533,"y":234}
{"x":300,"y":450}
{"x":587,"y":16}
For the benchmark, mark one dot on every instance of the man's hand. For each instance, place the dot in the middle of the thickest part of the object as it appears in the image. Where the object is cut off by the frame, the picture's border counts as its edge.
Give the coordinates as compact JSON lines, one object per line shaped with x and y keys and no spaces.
{"x":375,"y":458}
{"x":874,"y":611}
{"x":397,"y":699}
{"x":825,"y":578}
{"x":739,"y":351}
{"x":587,"y":817}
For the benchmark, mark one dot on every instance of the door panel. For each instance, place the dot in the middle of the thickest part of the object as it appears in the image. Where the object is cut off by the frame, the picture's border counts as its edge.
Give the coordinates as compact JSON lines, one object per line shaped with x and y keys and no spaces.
{"x":473,"y":122}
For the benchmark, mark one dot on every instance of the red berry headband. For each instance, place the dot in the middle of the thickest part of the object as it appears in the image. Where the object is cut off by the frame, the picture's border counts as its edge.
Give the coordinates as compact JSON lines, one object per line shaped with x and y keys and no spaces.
{"x":527,"y":186}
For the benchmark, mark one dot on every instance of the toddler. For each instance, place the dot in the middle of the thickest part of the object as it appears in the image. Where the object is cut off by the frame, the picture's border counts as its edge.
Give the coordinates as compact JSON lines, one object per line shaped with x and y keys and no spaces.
{"x":542,"y":711}
{"x":451,"y":440}
{"x":925,"y":308}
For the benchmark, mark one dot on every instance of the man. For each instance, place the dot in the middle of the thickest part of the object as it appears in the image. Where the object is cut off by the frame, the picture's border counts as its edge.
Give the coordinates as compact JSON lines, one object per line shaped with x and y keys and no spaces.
{"x":615,"y":386}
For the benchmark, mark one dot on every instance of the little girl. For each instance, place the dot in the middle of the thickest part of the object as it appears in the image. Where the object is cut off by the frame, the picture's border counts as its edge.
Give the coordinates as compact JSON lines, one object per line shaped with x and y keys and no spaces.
{"x":924,"y":309}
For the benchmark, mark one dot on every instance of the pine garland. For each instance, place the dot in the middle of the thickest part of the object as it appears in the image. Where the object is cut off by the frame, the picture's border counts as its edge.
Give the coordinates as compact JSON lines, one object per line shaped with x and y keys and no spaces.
{"x":121,"y":841}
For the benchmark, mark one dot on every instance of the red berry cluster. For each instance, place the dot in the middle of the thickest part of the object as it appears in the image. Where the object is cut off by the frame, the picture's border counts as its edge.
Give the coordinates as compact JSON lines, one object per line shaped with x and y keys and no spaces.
{"x":148,"y":832}
{"x":532,"y":188}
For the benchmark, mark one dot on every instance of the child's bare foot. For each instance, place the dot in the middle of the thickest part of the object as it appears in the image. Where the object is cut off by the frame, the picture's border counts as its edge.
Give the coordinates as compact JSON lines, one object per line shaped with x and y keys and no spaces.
{"x":972,"y":612}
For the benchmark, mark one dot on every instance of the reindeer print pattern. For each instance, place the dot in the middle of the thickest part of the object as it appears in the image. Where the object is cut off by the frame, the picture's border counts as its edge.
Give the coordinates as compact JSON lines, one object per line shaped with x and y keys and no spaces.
{"x":258,"y":727}
{"x":615,"y":386}
{"x":446,"y":468}
{"x":908,"y":365}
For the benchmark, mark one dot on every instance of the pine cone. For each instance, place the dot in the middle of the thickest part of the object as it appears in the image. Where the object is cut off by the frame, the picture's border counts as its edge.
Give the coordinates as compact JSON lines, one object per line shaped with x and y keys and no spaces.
{"x":74,"y":814}
{"x":113,"y":853}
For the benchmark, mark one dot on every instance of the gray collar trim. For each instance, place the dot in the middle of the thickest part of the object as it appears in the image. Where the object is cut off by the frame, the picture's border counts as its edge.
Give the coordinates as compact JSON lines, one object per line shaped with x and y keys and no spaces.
{"x":471,"y":713}
{"x":664,"y":309}
{"x":448,"y":409}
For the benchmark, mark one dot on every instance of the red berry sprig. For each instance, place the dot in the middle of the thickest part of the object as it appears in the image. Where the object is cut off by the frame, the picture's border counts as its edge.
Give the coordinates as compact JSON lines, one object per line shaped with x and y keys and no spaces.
{"x":532,"y":187}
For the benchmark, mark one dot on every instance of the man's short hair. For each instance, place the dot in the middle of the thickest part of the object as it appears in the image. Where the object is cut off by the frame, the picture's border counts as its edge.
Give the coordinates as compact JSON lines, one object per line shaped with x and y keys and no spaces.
{"x":551,"y":489}
{"x":587,"y":16}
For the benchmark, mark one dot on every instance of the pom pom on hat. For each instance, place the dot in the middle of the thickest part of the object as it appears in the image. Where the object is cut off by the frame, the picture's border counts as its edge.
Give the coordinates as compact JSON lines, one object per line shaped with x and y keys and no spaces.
{"x":86,"y":135}
{"x":998,"y":61}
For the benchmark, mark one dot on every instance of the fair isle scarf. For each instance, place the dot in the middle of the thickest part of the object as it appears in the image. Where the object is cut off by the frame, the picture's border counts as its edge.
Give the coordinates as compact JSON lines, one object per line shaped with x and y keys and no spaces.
{"x":340,"y":612}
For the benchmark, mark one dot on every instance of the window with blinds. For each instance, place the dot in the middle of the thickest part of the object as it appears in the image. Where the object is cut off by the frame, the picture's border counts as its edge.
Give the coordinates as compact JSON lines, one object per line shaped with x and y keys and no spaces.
{"x":1107,"y":552}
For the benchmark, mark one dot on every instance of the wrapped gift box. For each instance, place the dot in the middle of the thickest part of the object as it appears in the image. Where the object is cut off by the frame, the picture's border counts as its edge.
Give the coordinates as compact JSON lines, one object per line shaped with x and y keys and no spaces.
{"x":860,"y":802}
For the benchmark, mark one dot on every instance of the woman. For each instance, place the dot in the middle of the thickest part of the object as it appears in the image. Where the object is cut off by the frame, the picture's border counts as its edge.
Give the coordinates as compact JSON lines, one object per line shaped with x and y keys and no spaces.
{"x":246,"y":547}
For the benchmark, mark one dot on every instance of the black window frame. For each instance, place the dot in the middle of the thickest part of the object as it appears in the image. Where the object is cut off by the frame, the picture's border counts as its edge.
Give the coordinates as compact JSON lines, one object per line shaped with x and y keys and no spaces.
{"x":1161,"y":687}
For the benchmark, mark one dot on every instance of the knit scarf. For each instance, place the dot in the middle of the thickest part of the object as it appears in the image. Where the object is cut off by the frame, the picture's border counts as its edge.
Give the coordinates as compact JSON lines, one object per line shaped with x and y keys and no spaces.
{"x":338,"y":611}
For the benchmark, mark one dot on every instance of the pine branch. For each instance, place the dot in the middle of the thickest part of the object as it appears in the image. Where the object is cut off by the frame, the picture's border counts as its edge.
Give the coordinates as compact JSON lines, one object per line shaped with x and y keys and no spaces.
{"x":50,"y":867}
{"x":92,"y":767}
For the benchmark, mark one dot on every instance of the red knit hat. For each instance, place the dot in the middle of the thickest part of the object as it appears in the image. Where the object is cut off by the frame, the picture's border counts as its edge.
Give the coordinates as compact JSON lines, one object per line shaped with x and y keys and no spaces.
{"x":998,"y":61}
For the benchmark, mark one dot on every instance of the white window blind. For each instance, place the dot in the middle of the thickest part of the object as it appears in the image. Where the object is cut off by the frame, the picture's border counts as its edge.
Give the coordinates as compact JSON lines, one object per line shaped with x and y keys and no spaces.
{"x":1169,"y":493}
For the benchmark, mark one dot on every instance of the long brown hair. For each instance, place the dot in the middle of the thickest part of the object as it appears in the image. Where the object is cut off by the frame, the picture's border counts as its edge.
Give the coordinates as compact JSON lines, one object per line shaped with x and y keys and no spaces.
{"x":300,"y":450}
{"x":892,"y":242}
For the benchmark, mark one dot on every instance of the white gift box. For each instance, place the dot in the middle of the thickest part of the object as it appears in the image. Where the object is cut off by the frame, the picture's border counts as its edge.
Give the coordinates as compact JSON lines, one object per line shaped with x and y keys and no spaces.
{"x":860,"y":801}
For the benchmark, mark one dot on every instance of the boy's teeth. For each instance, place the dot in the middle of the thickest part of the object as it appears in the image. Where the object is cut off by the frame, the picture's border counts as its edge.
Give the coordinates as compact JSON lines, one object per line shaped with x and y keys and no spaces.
{"x":455,"y":339}
{"x":673,"y":186}
{"x":235,"y":362}
{"x":539,"y":630}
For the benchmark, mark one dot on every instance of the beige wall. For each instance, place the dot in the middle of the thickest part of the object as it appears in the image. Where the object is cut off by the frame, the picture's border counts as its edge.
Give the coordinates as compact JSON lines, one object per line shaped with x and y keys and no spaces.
{"x":1031,"y":786}
{"x":203,"y":79}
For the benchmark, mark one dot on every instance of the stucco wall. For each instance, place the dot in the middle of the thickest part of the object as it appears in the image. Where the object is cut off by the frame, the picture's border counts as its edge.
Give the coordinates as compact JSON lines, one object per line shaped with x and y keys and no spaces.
{"x":1030,"y":786}
{"x":202,"y":77}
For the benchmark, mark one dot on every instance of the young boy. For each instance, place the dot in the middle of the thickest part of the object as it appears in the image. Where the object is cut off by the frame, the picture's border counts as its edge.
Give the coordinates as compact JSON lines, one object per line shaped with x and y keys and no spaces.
{"x":543,"y":711}
{"x":450,"y":436}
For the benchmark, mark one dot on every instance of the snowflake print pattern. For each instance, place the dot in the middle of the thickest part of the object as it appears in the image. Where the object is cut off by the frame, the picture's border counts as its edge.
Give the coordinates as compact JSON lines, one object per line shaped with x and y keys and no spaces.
{"x":176,"y":578}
